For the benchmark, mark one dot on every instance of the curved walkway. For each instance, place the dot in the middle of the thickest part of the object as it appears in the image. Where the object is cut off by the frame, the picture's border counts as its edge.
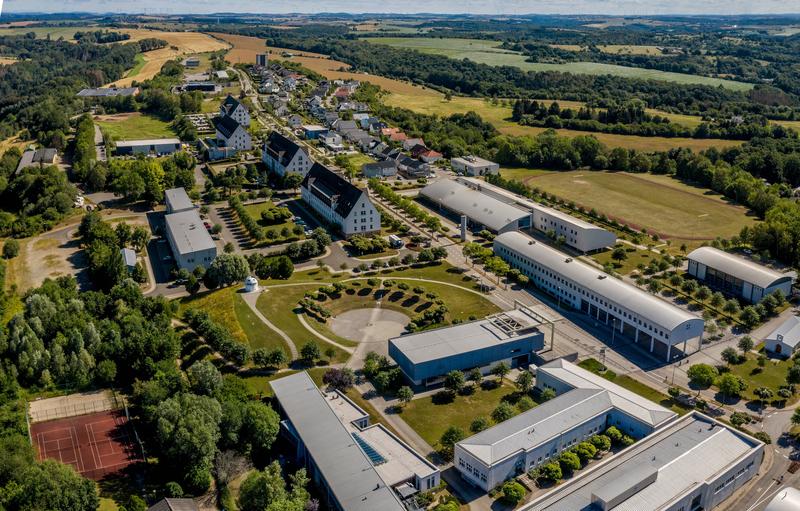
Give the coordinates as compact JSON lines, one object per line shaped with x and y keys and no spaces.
{"x":301,"y":318}
{"x":250,"y":299}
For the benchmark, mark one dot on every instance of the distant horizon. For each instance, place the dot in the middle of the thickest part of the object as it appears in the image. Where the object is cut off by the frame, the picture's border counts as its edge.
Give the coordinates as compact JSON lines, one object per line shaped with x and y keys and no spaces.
{"x":621,"y":8}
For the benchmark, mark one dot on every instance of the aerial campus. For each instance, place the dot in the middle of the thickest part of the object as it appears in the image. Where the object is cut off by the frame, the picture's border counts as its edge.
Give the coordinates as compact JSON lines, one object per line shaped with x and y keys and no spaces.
{"x":414,"y":262}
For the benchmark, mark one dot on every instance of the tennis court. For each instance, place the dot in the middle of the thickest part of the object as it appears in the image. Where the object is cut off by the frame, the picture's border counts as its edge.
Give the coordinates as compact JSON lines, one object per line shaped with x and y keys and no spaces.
{"x":95,"y":445}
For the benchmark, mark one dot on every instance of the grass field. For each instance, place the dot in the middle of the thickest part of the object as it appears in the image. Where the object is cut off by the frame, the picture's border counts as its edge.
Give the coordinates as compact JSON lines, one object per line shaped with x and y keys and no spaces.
{"x":42,"y":32}
{"x":432,"y":102}
{"x":430,"y":417}
{"x":137,"y":68}
{"x":659,"y":203}
{"x":7,"y":61}
{"x":772,"y":376}
{"x":626,"y":266}
{"x":14,"y":141}
{"x":617,"y":49}
{"x":133,"y":126}
{"x":488,"y":52}
{"x":255,"y":211}
{"x":180,"y":44}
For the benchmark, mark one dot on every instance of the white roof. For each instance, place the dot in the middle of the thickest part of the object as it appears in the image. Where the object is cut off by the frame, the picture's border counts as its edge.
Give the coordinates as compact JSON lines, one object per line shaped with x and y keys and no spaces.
{"x":656,"y":471}
{"x":629,"y":402}
{"x":738,"y":267}
{"x":528,"y":203}
{"x":188,"y":232}
{"x":472,"y":161}
{"x":222,"y":74}
{"x":788,"y":499}
{"x":128,"y":257}
{"x":152,"y":141}
{"x":623,"y":294}
{"x":591,"y":396}
{"x":348,"y":472}
{"x":481,"y":208}
{"x":789,"y":329}
{"x":465,"y":337}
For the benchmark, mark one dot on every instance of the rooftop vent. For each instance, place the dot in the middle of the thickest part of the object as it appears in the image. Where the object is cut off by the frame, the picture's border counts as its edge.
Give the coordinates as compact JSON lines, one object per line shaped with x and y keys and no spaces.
{"x":568,"y":260}
{"x":601,"y":276}
{"x":531,"y":242}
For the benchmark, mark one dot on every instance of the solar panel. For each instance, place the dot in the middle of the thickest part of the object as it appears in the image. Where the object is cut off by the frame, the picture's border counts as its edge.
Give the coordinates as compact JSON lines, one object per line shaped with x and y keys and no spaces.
{"x":374,"y":456}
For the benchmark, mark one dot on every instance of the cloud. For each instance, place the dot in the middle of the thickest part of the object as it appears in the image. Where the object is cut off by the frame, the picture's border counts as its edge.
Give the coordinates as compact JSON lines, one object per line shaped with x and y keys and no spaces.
{"x":614,"y":7}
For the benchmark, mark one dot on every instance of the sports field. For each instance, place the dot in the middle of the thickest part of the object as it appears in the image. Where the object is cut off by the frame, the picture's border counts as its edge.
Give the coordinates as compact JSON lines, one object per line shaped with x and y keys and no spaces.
{"x":658,"y":203}
{"x":488,"y":52}
{"x":432,"y":102}
{"x":133,"y":126}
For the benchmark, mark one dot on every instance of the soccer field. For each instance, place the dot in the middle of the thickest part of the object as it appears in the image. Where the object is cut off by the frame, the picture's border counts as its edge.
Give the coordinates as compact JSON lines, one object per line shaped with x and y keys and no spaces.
{"x":658,"y":203}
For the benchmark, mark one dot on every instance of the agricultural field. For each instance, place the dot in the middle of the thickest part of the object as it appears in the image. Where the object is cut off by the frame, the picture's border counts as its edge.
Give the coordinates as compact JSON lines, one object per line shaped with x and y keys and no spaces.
{"x":187,"y":43}
{"x":133,"y":126}
{"x":659,"y":203}
{"x":7,"y":61}
{"x":432,"y":102}
{"x":617,"y":49}
{"x":244,"y":49}
{"x":14,"y":141}
{"x":42,"y":32}
{"x":488,"y":52}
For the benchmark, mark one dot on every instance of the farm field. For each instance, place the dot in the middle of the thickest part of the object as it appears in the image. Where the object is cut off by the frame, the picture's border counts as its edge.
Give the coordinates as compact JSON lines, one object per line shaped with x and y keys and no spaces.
{"x":187,"y":43}
{"x":244,"y":49}
{"x":14,"y":141}
{"x":7,"y":61}
{"x":133,"y":126}
{"x":618,"y":49}
{"x":41,"y":32}
{"x":432,"y":102}
{"x":659,"y":203}
{"x":487,"y":52}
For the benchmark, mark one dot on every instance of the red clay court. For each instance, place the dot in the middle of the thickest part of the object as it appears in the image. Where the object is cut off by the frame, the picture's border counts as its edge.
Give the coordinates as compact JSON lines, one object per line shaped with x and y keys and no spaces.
{"x":95,"y":445}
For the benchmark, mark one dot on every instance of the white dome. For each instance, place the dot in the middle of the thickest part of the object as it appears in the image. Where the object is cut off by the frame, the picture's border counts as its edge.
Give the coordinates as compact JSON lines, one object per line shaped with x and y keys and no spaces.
{"x":250,"y":284}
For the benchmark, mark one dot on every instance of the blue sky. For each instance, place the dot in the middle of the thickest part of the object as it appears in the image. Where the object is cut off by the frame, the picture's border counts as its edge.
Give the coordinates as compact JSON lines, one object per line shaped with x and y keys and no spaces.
{"x":623,"y":7}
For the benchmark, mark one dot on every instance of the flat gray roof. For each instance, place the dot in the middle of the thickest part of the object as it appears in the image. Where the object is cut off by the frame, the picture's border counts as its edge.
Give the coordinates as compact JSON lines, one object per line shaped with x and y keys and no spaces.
{"x":738,"y":267}
{"x":466,"y":337}
{"x":177,"y":199}
{"x":473,"y":161}
{"x":595,"y":280}
{"x":153,"y":141}
{"x":188,"y":232}
{"x":348,"y":472}
{"x":481,"y":208}
{"x":665,"y":465}
{"x":530,"y":204}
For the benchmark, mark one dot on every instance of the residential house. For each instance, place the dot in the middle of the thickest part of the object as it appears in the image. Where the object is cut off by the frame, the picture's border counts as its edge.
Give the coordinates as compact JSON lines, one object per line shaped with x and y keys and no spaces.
{"x":37,"y":157}
{"x":340,"y":202}
{"x":430,"y":156}
{"x":332,"y":142}
{"x":232,"y":134}
{"x":170,"y":504}
{"x":376,"y":125}
{"x":410,"y":143}
{"x":380,"y":169}
{"x":313,"y":131}
{"x":342,"y":126}
{"x":284,"y":156}
{"x":295,"y":121}
{"x":231,"y":107}
{"x":398,"y":137}
{"x":330,"y":118}
{"x":413,"y":168}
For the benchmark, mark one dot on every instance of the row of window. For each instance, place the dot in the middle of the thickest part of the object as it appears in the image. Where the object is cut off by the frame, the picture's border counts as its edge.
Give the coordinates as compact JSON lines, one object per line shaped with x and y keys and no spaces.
{"x":522,"y":261}
{"x":732,"y":477}
{"x":471,"y":470}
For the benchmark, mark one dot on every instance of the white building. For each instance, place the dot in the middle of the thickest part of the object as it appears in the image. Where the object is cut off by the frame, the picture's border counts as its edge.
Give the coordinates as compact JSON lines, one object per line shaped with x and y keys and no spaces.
{"x":232,"y":134}
{"x":332,"y":142}
{"x":634,"y":314}
{"x":737,"y":276}
{"x":357,"y":466}
{"x":339,"y":202}
{"x":576,"y":233}
{"x":586,"y":405}
{"x":154,"y":147}
{"x":474,"y":166}
{"x":693,"y":464}
{"x":233,"y":108}
{"x":177,"y":200}
{"x":191,"y":244}
{"x":284,"y":156}
{"x":482,"y":211}
{"x":784,"y":340}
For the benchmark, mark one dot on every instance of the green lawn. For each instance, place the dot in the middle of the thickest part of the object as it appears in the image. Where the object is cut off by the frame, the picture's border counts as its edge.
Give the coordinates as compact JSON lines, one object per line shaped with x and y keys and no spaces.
{"x":430,"y":418}
{"x":255,"y":211}
{"x":135,"y":126}
{"x":659,"y":203}
{"x":55,"y":33}
{"x":626,"y":266}
{"x":359,"y":159}
{"x":772,"y":376}
{"x":139,"y":64}
{"x":635,"y":386}
{"x":488,"y":52}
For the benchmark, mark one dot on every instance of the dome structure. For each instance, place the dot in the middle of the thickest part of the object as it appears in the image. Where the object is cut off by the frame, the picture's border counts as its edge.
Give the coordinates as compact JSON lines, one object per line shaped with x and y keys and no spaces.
{"x":250,"y":284}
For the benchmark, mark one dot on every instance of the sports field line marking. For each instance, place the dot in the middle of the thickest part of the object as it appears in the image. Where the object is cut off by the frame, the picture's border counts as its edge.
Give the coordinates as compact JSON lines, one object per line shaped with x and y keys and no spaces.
{"x":77,"y":447}
{"x":92,"y":446}
{"x":42,"y":452}
{"x":108,"y":436}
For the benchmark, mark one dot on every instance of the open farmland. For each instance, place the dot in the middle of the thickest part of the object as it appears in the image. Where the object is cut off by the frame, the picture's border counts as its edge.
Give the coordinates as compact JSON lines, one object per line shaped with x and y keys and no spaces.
{"x":659,"y":203}
{"x":432,"y":102}
{"x":187,"y":43}
{"x":488,"y":52}
{"x":617,"y":49}
{"x":244,"y":49}
{"x":42,"y":32}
